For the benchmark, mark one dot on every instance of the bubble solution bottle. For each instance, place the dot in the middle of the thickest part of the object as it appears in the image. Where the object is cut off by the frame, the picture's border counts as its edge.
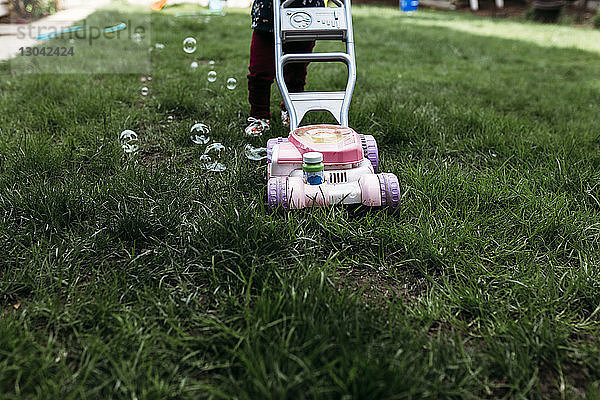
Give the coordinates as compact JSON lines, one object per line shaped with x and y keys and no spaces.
{"x":313,"y":168}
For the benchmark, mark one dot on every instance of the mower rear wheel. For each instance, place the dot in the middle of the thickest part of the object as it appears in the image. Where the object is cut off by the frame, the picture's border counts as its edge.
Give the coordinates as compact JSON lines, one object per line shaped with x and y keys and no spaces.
{"x":369,"y":145}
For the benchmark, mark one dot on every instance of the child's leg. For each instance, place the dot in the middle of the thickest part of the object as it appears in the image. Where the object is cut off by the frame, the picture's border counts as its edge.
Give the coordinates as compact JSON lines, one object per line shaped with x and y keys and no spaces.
{"x":295,"y":73}
{"x":262,"y":74}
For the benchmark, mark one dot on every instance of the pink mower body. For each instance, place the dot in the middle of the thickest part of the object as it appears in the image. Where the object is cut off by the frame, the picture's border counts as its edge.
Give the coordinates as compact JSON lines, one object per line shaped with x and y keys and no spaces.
{"x":351,"y":170}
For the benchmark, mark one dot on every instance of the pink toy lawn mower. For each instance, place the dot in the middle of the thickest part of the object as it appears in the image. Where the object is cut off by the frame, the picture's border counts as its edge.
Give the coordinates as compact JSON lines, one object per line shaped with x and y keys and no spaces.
{"x":319,"y":165}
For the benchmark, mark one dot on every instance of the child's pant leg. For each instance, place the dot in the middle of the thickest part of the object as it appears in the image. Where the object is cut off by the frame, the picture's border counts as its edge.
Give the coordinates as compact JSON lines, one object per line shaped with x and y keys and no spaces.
{"x":262,"y":71}
{"x":262,"y":74}
{"x":295,"y":73}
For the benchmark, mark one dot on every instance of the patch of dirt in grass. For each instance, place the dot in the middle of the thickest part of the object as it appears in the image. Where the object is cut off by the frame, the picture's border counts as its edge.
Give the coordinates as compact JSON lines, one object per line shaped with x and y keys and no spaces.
{"x":155,"y":158}
{"x":10,"y":304}
{"x":576,"y":379}
{"x":11,"y":308}
{"x":378,"y":285}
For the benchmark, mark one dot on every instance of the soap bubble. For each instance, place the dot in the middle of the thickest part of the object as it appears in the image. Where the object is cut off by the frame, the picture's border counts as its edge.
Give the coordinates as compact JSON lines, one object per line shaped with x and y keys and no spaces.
{"x":217,"y":147}
{"x":137,"y":37}
{"x":199,"y":133}
{"x":200,"y":128}
{"x":189,"y":45}
{"x":200,"y":139}
{"x":170,"y":119}
{"x":211,"y":64}
{"x":129,"y":140}
{"x":128,"y":135}
{"x":145,"y":91}
{"x":255,"y":153}
{"x":215,"y":167}
{"x":194,"y":65}
{"x":143,"y":79}
{"x":231,"y":83}
{"x":149,"y":78}
{"x":208,"y":164}
{"x":212,"y":76}
{"x":159,"y":46}
{"x":130,"y":148}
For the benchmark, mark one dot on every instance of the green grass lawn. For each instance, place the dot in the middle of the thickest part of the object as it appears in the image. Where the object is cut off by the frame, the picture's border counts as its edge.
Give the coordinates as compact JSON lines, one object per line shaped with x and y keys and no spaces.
{"x":146,"y":277}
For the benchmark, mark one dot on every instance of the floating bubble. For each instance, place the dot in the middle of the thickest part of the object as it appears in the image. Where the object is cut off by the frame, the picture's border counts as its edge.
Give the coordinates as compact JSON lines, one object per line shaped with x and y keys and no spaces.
{"x":211,"y":64}
{"x":149,"y":78}
{"x":145,"y":91}
{"x":170,"y":119}
{"x":194,"y":65}
{"x":200,"y":128}
{"x":215,"y":167}
{"x":159,"y":46}
{"x":129,"y":140}
{"x":200,"y":139}
{"x":212,"y":76}
{"x":189,"y":45}
{"x":231,"y":83}
{"x":130,"y":148}
{"x":200,"y":133}
{"x":255,"y":153}
{"x":208,"y":164}
{"x":128,"y":135}
{"x":143,"y":79}
{"x":137,"y":37}
{"x":216,"y":147}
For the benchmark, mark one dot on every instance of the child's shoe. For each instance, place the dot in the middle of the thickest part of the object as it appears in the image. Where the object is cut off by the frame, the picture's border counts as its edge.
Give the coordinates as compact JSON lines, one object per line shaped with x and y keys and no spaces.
{"x":257,"y":126}
{"x":285,"y":118}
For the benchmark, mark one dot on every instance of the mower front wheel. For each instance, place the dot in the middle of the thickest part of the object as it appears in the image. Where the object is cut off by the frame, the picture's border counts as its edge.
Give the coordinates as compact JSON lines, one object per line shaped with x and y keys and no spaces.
{"x":271,"y":143}
{"x":277,"y":193}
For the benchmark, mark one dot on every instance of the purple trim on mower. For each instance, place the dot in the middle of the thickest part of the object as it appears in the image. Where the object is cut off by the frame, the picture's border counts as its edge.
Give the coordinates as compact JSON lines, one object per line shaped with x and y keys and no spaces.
{"x":369,"y":145}
{"x":390,"y":190}
{"x":277,"y":193}
{"x":271,"y":143}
